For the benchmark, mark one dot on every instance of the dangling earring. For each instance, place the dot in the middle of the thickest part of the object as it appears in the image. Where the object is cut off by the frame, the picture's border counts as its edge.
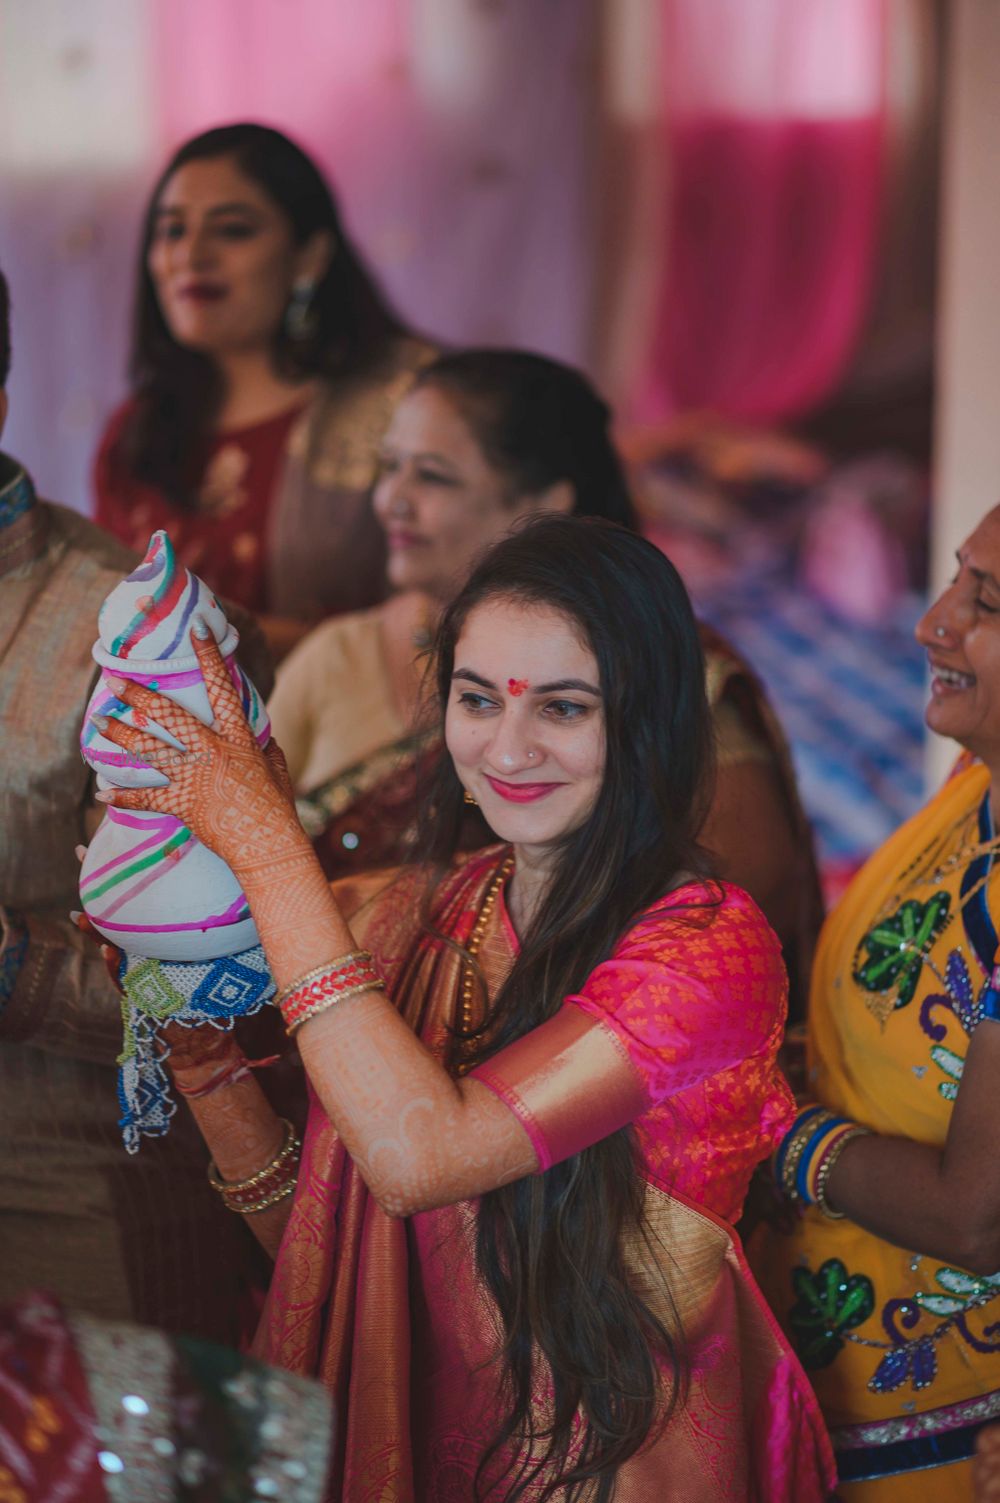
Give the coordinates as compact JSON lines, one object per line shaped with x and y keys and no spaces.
{"x":468,"y":799}
{"x":299,"y":313}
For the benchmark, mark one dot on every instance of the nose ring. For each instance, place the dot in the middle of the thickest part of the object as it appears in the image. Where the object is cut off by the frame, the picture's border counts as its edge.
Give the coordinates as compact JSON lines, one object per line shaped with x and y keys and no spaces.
{"x":939,"y":631}
{"x":531,"y":756}
{"x":507,"y":759}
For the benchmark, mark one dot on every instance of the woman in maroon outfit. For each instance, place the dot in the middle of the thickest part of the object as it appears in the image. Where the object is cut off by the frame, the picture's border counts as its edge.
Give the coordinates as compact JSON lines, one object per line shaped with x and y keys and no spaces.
{"x":265,"y":366}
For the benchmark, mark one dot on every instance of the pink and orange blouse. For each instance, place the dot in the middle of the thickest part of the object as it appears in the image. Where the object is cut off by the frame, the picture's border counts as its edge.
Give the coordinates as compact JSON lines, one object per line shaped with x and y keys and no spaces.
{"x":694,"y":996}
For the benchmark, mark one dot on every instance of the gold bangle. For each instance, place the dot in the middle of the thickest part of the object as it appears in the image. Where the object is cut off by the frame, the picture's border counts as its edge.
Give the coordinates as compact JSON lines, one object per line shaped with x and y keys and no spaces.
{"x":252,"y":1207}
{"x":801,"y":1135}
{"x":286,"y":1152}
{"x":827,"y":1167}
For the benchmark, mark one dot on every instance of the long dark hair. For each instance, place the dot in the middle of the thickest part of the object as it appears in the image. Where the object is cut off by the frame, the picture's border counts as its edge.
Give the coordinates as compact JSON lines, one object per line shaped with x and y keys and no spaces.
{"x":178,"y":390}
{"x":537,"y":422}
{"x":597,"y":1333}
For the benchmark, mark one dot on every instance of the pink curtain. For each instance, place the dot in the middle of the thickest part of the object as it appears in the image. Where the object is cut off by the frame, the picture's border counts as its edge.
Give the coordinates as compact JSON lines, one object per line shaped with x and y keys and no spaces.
{"x":456,"y":133}
{"x":775,"y":116}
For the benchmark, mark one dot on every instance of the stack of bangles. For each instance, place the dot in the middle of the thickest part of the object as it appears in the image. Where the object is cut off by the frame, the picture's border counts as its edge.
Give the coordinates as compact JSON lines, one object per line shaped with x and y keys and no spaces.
{"x":269,"y":1185}
{"x":807,"y":1154}
{"x":327,"y":985}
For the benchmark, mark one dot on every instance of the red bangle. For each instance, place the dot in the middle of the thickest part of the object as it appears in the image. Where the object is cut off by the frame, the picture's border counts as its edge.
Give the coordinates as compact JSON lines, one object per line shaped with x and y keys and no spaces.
{"x":327,"y":985}
{"x":274,"y":1182}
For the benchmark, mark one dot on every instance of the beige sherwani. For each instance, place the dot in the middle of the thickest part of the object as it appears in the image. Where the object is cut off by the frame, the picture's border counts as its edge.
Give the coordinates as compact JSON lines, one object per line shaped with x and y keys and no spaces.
{"x":138,"y":1237}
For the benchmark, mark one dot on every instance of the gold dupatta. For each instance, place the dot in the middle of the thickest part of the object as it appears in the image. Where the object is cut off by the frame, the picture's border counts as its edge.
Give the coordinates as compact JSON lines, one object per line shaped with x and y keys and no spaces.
{"x":389,"y":1314}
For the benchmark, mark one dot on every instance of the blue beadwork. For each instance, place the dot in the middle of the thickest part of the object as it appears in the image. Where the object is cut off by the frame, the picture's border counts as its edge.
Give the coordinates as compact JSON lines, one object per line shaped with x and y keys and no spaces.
{"x":230,"y":989}
{"x":190,"y":993}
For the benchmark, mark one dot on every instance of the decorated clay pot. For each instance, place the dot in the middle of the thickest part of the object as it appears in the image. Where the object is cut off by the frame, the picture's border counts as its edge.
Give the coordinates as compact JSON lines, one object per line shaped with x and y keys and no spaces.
{"x":147,"y":883}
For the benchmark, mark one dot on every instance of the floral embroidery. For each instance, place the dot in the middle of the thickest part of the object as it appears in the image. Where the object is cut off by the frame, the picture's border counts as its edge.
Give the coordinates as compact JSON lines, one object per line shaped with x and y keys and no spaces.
{"x":9,"y":1490}
{"x":897,"y":947}
{"x":916,"y":1358}
{"x":829,"y":1304}
{"x":952,"y":1064}
{"x":960,"y":1001}
{"x":223,"y":487}
{"x":41,"y":1424}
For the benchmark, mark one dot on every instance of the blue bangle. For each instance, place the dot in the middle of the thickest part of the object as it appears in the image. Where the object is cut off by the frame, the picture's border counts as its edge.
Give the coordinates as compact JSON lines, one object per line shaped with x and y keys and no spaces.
{"x":988,"y":1005}
{"x":802,"y":1172}
{"x":783,"y":1146}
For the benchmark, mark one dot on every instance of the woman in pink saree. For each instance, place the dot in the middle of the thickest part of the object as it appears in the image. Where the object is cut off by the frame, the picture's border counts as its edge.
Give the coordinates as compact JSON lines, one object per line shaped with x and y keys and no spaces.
{"x":540,"y":1075}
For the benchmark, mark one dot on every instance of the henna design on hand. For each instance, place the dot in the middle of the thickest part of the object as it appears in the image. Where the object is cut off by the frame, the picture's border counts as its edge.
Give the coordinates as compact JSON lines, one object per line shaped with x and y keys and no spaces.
{"x":419,"y":1137}
{"x":238,"y":801}
{"x":234,"y":797}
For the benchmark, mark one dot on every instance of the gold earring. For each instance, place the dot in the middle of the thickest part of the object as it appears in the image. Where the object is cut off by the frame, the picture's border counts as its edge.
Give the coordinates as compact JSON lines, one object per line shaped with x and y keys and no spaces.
{"x":467,"y":798}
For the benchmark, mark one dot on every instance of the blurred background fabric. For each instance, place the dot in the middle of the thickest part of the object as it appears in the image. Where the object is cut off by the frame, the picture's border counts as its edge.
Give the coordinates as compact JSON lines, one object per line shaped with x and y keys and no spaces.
{"x":517,"y":172}
{"x":725,"y":211}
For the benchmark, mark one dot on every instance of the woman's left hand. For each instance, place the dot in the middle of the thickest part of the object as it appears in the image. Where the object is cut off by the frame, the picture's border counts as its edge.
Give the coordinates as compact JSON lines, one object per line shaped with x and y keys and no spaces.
{"x":235,"y":797}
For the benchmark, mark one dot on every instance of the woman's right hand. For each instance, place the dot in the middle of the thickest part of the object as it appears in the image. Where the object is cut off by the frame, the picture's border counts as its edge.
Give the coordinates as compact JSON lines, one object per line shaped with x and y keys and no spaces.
{"x":235,"y":797}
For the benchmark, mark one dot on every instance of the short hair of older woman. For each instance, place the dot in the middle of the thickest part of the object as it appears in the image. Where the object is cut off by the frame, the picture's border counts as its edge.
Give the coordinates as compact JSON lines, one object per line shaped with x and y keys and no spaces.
{"x":538,"y":421}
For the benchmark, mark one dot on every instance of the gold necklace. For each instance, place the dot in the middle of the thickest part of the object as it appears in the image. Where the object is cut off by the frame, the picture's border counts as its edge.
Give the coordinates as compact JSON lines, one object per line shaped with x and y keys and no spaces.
{"x":474,"y":944}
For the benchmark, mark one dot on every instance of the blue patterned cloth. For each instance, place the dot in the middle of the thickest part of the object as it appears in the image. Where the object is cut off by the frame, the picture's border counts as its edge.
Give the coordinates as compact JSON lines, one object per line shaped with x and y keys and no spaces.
{"x":190,"y":993}
{"x":17,"y":493}
{"x":850,"y":698}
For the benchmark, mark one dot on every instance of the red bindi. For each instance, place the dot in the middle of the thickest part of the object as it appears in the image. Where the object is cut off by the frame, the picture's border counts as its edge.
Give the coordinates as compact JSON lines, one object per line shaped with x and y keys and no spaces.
{"x":516,"y":686}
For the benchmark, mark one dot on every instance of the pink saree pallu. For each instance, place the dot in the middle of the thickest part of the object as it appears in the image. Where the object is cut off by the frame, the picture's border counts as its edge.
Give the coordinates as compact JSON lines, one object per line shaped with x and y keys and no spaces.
{"x":391,"y":1316}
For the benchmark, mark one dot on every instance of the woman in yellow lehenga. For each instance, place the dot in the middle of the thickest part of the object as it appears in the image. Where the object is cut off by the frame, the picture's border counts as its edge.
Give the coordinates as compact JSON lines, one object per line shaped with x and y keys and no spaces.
{"x":888,"y":1281}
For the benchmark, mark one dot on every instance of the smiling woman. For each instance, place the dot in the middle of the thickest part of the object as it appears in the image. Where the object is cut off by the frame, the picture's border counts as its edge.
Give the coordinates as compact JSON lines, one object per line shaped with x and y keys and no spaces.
{"x":531,"y":744}
{"x":961,"y":632}
{"x":542,"y":1074}
{"x":887,"y":1282}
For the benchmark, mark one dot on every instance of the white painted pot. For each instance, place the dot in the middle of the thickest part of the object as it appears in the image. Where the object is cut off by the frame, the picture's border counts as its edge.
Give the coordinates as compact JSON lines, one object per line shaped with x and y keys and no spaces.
{"x":147,"y":884}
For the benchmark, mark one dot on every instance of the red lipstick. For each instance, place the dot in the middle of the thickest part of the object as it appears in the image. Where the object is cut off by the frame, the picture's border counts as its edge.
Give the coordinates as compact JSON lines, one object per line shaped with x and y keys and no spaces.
{"x":521,"y":793}
{"x":202,"y":292}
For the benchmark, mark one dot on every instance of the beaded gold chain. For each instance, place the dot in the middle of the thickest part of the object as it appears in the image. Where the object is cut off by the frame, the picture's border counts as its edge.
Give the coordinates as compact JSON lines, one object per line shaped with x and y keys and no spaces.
{"x":474,"y":944}
{"x":917,"y":875}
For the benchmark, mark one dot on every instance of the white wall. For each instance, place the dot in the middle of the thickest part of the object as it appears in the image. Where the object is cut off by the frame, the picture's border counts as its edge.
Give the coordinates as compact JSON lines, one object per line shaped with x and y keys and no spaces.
{"x":967,"y":423}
